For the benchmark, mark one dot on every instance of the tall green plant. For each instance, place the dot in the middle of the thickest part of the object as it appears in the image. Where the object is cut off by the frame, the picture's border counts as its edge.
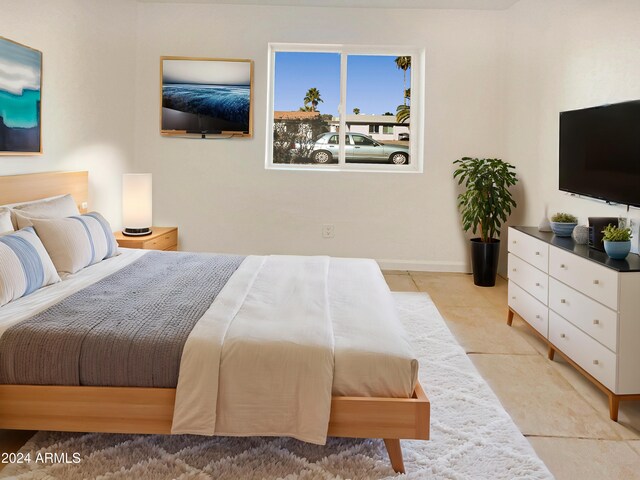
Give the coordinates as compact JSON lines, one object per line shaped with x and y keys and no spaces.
{"x":486,"y":202}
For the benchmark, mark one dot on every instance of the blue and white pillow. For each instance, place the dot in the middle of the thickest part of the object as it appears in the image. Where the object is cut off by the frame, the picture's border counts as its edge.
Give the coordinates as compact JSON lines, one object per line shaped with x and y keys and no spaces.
{"x":25,"y":265}
{"x":76,"y":242}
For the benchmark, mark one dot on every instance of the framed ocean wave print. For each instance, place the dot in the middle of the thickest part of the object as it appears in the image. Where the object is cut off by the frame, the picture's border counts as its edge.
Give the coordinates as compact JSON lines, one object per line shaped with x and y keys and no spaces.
{"x":20,"y":99}
{"x":206,"y":97}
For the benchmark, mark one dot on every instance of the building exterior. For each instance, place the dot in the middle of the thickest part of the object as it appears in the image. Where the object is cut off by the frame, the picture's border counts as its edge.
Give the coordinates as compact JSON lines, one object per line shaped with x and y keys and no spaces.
{"x":379,"y":127}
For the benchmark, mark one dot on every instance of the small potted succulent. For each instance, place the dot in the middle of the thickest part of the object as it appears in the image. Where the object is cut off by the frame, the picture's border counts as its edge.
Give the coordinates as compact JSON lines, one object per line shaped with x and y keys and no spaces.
{"x":562,"y":224}
{"x":617,"y":241}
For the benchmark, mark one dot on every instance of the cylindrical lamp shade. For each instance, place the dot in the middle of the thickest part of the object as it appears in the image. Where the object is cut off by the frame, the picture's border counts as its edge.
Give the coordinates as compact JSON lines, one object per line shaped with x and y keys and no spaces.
{"x":136,"y":203}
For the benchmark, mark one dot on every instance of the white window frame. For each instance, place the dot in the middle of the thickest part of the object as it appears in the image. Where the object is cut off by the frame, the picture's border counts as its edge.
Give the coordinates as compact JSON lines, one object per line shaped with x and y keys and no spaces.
{"x":417,"y":84}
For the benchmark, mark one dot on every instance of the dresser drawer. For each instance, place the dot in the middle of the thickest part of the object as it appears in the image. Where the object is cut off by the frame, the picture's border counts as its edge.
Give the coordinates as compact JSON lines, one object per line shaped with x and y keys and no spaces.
{"x":530,"y":309}
{"x":597,"y":360}
{"x":591,"y":317}
{"x":529,"y":278}
{"x":529,"y":249}
{"x":166,"y":241}
{"x":589,"y":278}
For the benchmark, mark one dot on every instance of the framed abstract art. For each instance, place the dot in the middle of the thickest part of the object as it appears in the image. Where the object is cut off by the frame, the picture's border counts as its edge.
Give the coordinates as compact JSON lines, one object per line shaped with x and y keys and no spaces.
{"x":20,"y":99}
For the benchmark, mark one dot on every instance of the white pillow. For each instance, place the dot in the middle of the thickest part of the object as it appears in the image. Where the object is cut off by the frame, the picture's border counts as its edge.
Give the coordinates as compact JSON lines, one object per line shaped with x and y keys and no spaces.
{"x":24,"y":265}
{"x":58,"y":207}
{"x":76,"y":242}
{"x":5,"y":221}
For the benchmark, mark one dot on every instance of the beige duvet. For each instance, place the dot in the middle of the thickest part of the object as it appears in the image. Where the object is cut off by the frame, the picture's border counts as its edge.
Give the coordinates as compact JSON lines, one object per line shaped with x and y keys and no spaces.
{"x":284,"y":335}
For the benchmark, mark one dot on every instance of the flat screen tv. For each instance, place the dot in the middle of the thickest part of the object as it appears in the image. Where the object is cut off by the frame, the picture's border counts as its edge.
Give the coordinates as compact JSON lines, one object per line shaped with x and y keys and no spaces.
{"x":600,"y":152}
{"x":206,"y":96}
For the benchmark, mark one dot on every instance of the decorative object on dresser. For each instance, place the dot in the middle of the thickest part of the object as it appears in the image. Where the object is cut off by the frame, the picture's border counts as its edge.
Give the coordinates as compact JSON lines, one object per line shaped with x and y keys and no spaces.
{"x":617,"y":241}
{"x":580,"y":234}
{"x":137,"y":204}
{"x":162,"y":238}
{"x":20,"y":99}
{"x":485,"y":205}
{"x":596,"y":226}
{"x":584,"y":305}
{"x":544,"y":225}
{"x":562,"y":224}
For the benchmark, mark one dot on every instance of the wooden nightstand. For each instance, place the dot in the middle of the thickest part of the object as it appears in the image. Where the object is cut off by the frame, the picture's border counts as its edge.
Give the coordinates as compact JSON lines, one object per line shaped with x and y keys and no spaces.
{"x":162,"y":238}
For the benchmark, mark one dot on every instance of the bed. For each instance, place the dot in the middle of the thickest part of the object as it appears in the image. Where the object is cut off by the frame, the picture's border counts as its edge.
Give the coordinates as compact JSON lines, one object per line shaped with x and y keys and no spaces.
{"x":355,"y":407}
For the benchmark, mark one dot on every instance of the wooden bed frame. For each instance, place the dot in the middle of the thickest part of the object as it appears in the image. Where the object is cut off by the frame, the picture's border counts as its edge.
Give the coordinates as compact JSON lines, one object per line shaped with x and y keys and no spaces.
{"x":150,"y":410}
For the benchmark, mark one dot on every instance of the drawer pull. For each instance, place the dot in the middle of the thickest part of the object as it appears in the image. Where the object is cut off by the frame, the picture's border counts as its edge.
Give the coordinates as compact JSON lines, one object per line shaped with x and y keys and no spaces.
{"x":513,"y":298}
{"x":562,"y":300}
{"x":562,"y":335}
{"x":537,"y":253}
{"x":596,"y":362}
{"x":538,"y":316}
{"x":513,"y":269}
{"x":537,"y":284}
{"x":596,"y":322}
{"x":513,"y":241}
{"x":562,"y":265}
{"x":596,"y":282}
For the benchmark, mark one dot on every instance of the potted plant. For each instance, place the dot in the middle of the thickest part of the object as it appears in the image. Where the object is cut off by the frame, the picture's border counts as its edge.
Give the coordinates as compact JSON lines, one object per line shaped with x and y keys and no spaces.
{"x":617,"y":241}
{"x":485,"y":205}
{"x":562,"y":224}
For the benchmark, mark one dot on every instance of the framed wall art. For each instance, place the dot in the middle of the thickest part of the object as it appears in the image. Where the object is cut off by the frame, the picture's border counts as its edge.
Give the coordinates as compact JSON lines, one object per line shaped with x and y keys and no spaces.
{"x":202,"y":97}
{"x":20,"y":99}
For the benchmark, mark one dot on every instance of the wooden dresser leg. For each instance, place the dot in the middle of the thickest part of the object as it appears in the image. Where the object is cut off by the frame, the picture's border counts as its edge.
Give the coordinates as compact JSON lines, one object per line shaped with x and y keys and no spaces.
{"x":510,"y":317}
{"x":551,"y":353}
{"x":395,"y":454}
{"x":614,"y":405}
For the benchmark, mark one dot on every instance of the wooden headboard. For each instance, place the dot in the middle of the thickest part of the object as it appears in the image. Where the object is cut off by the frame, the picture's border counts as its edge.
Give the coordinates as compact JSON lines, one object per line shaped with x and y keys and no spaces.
{"x":34,"y":186}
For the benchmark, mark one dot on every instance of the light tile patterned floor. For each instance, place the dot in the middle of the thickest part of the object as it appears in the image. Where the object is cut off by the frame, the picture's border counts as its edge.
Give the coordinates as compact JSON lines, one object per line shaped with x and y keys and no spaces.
{"x":564,"y":416}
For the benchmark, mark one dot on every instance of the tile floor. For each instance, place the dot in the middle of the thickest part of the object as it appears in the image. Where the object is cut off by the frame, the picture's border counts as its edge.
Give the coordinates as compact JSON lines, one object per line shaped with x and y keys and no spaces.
{"x":564,"y":416}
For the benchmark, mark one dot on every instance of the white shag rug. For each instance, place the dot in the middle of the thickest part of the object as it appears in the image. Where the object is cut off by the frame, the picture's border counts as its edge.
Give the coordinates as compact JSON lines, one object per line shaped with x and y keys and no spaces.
{"x":472,"y":437}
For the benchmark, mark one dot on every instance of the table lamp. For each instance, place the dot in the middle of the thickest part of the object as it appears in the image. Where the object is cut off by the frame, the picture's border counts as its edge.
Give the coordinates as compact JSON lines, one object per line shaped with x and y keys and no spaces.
{"x":137,"y":204}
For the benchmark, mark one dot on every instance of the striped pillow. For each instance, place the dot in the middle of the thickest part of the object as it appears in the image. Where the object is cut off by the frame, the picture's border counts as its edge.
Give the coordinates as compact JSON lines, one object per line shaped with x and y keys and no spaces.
{"x":24,"y":265}
{"x":76,"y":242}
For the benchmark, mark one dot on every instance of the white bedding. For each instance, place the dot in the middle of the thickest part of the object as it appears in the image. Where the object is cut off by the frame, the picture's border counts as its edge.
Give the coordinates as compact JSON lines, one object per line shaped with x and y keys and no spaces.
{"x":341,"y":310}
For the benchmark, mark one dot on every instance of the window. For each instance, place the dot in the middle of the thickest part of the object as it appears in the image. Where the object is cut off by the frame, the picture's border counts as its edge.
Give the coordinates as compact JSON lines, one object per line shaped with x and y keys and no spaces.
{"x":345,"y":108}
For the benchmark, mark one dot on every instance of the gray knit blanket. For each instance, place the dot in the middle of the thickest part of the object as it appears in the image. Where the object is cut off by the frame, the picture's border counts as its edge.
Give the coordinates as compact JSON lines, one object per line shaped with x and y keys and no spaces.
{"x":128,"y":329}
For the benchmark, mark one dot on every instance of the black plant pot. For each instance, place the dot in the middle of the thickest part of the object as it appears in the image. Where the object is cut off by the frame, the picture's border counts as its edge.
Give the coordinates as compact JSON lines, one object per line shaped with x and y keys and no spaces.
{"x":484,"y":260}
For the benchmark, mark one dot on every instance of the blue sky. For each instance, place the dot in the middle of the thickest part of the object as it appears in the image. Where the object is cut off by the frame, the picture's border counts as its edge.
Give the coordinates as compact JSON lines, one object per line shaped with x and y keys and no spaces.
{"x":374,"y":83}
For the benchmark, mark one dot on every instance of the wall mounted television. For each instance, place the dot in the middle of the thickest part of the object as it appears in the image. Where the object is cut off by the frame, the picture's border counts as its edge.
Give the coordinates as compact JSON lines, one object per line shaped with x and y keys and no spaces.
{"x":600,"y":152}
{"x":206,"y":96}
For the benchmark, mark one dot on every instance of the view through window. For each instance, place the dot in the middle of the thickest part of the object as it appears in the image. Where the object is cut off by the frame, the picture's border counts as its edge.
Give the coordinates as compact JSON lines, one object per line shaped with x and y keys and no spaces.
{"x":341,"y":109}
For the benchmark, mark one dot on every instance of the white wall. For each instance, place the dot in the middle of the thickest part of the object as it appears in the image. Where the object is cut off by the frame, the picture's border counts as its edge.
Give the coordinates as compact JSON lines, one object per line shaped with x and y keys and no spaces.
{"x":88,"y":51}
{"x":222,"y":198}
{"x":563,"y":56}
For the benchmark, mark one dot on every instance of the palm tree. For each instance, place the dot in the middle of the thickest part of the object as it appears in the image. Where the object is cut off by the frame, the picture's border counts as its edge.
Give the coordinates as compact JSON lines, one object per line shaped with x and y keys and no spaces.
{"x":356,"y":111}
{"x":403,"y":113}
{"x":404,"y":64}
{"x":313,"y":97}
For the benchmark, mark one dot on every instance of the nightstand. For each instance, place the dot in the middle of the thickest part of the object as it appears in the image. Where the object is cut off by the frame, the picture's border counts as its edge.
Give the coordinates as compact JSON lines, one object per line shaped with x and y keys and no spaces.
{"x":162,"y":238}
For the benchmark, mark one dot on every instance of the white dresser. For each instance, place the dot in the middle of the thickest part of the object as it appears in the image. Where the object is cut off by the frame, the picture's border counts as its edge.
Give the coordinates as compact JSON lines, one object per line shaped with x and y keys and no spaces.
{"x":585,"y":305}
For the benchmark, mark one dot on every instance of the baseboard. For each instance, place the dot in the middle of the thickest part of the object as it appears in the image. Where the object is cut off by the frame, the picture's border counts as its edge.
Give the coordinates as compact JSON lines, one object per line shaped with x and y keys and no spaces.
{"x":424,"y":266}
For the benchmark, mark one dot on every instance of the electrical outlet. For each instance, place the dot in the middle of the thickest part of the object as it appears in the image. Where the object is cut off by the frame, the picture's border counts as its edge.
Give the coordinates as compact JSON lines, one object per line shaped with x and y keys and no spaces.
{"x":84,"y":205}
{"x":328,"y":230}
